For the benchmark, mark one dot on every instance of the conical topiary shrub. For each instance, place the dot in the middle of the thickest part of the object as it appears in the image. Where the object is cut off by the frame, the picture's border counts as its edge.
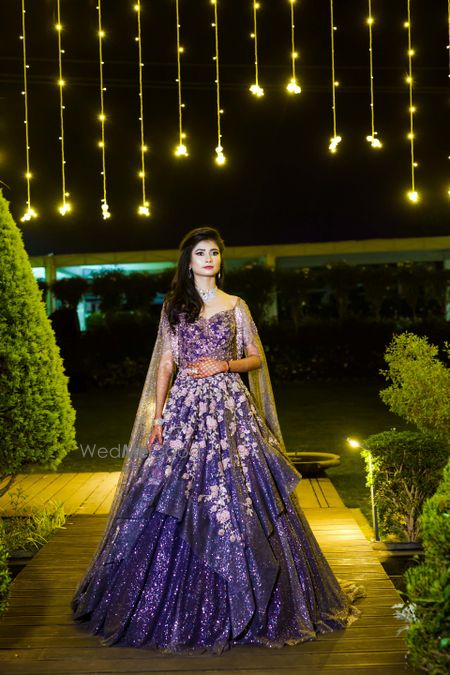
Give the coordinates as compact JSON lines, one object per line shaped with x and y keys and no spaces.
{"x":36,"y":414}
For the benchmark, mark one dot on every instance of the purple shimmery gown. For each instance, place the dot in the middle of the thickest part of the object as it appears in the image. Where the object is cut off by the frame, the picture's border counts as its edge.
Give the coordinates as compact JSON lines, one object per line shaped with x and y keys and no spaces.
{"x":211,"y":548}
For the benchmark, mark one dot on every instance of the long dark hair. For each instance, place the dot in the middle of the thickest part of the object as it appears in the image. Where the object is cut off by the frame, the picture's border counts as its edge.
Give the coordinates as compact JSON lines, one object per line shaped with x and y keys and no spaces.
{"x":183,"y":297}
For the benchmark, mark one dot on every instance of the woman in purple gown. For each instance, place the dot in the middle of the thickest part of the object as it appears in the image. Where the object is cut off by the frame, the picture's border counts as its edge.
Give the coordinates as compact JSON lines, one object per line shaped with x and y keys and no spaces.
{"x":206,"y":546}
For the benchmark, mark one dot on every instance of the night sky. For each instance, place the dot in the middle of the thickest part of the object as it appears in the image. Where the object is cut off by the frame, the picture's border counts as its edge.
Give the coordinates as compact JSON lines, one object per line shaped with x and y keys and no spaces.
{"x":280,"y":183}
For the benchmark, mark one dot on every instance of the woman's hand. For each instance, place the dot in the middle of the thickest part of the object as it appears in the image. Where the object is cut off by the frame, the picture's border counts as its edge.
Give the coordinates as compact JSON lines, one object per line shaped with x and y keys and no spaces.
{"x":206,"y":366}
{"x":156,"y":433}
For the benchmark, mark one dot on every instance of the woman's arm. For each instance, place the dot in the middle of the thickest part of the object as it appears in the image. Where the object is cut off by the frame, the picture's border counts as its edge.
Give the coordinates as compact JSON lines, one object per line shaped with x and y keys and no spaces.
{"x":252,"y":361}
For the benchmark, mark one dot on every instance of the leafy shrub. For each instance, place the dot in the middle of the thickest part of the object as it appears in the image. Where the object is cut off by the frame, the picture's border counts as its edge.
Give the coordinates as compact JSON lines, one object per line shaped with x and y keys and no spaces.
{"x":36,"y":415}
{"x":31,"y":531}
{"x":407,"y":467}
{"x":5,"y":577}
{"x":420,"y":389}
{"x":428,"y":587}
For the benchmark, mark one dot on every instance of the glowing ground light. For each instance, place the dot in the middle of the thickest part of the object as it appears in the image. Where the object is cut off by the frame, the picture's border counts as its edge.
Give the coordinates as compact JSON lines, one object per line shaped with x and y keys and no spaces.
{"x":255,"y":88}
{"x":293,"y":86}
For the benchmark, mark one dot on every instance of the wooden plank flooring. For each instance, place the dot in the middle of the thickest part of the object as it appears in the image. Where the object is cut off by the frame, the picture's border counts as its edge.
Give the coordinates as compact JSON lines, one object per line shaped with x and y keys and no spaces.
{"x":92,"y":493}
{"x":38,"y":635}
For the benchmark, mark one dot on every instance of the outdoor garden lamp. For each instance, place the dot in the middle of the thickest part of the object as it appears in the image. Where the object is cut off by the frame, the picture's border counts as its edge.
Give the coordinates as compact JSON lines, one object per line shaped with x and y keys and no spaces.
{"x":353,"y":443}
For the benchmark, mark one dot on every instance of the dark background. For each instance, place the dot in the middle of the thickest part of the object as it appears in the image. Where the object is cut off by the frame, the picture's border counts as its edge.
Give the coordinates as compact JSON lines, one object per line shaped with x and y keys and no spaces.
{"x":280,"y":183}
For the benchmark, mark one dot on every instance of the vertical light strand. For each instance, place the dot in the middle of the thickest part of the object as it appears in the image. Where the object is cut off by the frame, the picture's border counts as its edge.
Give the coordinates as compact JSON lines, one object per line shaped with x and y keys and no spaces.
{"x":293,"y":86}
{"x":30,"y":212}
{"x":255,"y":88}
{"x":448,"y":46}
{"x":65,"y":207}
{"x":101,"y":34}
{"x":335,"y":140}
{"x":372,"y":138}
{"x":181,"y":149}
{"x":144,"y":208}
{"x":412,"y":194}
{"x":220,"y":157}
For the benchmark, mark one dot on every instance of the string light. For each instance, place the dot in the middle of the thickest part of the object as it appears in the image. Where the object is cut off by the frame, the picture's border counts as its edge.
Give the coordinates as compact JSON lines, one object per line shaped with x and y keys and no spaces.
{"x":102,"y":117}
{"x":144,"y":208}
{"x":65,"y":207}
{"x":448,"y":46}
{"x":220,"y":157}
{"x":181,"y":149}
{"x":335,"y":139}
{"x":30,"y":212}
{"x":413,"y":195}
{"x":293,"y":86}
{"x":255,"y":88}
{"x":372,"y":138}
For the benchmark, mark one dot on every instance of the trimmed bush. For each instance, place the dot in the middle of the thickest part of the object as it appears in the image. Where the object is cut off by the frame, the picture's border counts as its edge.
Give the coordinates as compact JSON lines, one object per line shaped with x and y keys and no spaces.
{"x":36,"y":415}
{"x":407,"y":468}
{"x":428,"y":587}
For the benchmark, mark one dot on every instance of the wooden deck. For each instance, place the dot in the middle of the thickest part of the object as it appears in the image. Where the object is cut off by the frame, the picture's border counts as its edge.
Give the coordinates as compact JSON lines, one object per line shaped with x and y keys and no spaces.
{"x":92,"y":493}
{"x":38,"y":635}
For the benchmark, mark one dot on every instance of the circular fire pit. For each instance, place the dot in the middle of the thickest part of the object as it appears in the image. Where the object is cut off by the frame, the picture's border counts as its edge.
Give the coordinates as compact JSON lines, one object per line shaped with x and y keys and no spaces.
{"x":313,"y":463}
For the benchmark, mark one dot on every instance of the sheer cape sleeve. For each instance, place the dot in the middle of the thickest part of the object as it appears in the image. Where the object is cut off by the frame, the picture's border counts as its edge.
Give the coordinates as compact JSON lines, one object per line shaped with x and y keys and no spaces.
{"x":249,"y":343}
{"x":136,"y":452}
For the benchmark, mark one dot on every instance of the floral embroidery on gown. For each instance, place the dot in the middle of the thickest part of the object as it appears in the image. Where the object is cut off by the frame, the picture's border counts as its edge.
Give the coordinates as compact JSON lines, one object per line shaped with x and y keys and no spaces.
{"x":209,"y":547}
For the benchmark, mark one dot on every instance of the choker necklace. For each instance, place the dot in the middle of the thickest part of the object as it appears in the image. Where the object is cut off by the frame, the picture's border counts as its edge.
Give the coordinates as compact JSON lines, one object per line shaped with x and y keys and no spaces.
{"x":207,"y":295}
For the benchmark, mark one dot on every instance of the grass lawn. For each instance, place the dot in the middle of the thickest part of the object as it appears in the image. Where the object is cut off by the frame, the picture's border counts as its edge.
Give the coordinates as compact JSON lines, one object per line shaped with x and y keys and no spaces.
{"x":313,"y":416}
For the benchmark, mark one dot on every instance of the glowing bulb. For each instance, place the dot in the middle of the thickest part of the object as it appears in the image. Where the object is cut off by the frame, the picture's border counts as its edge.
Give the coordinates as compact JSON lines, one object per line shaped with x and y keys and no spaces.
{"x":28,"y":175}
{"x":101,"y":33}
{"x":293,"y":87}
{"x":374,"y":142}
{"x":257,"y":90}
{"x":370,"y":20}
{"x":102,"y":118}
{"x":413,"y":196}
{"x":58,"y":26}
{"x":144,"y":209}
{"x":335,"y":140}
{"x":181,"y":150}
{"x":65,"y":208}
{"x":105,"y":211}
{"x":220,"y":159}
{"x":29,"y":214}
{"x":61,"y":83}
{"x":353,"y":443}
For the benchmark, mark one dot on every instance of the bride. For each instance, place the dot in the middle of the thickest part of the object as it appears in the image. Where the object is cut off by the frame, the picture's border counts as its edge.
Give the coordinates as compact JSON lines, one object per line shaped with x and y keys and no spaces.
{"x":206,"y":546}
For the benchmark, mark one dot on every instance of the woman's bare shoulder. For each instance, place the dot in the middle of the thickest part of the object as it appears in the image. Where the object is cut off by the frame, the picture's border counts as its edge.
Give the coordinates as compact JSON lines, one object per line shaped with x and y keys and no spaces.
{"x":231,"y":300}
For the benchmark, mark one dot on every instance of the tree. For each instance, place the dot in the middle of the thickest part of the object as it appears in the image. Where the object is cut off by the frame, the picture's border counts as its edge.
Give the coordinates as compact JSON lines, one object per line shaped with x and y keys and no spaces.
{"x":36,"y":415}
{"x":420,"y":383}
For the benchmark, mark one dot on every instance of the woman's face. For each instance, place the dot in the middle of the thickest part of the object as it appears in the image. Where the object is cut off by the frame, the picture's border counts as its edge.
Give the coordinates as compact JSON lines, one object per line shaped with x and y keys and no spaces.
{"x":205,"y":258}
